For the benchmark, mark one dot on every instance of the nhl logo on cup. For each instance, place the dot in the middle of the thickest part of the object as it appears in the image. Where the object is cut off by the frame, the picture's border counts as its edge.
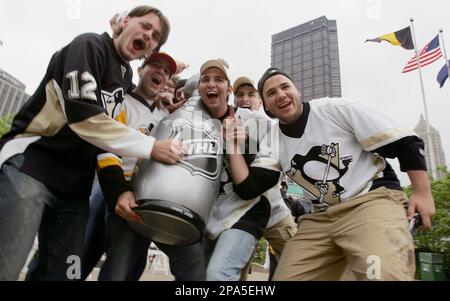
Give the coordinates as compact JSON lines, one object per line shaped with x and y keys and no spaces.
{"x":202,"y":146}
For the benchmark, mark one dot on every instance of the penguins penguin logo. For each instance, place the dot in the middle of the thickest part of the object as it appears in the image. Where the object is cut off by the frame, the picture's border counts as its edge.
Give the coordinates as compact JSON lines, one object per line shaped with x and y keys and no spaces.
{"x":320,"y":171}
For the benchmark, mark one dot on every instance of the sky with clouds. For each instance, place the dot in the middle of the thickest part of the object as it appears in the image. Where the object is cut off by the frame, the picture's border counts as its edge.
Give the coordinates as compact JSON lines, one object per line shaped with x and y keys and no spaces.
{"x":240,"y":32}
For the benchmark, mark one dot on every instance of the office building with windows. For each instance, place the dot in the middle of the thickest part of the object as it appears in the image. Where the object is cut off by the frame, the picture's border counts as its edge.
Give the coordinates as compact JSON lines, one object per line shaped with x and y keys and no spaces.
{"x":434,"y":146}
{"x":12,"y":94}
{"x":309,"y":54}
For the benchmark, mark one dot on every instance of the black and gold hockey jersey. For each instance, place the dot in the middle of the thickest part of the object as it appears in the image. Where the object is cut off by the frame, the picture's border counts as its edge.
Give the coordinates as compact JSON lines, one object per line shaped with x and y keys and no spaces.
{"x":65,"y":123}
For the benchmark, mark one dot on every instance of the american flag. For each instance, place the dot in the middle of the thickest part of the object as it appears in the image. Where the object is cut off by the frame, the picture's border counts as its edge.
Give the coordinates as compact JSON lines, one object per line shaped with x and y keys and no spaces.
{"x":429,"y":54}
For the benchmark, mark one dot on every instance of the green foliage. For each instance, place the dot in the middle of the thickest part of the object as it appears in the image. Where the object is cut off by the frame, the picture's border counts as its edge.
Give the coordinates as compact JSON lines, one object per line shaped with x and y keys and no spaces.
{"x":437,"y":240}
{"x":260,"y":252}
{"x":5,"y":124}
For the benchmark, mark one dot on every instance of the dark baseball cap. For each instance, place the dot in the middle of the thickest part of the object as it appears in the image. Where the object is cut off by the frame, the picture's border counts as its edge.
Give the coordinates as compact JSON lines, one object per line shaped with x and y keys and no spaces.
{"x":268,"y":74}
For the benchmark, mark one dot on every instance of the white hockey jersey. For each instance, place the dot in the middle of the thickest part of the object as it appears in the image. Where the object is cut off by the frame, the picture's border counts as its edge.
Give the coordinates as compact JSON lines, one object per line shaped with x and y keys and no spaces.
{"x":229,"y":207}
{"x":139,"y":114}
{"x":330,"y":154}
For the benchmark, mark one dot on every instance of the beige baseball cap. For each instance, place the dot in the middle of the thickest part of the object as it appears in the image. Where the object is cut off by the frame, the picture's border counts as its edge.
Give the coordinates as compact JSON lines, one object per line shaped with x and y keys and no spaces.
{"x":243,"y":81}
{"x":218,"y":63}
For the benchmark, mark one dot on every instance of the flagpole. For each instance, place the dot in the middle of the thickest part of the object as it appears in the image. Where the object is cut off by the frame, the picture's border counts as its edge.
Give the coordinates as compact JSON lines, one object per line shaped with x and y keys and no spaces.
{"x":427,"y":123}
{"x":441,"y":33}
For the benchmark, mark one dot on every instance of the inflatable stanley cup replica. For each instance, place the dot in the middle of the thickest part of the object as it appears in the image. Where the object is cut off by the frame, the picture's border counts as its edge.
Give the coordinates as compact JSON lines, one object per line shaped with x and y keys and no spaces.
{"x":175,"y":200}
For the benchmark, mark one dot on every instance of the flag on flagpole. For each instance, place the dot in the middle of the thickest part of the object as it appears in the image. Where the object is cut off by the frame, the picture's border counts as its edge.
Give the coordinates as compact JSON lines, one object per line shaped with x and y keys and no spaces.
{"x":443,"y":75}
{"x":429,"y":54}
{"x":401,"y":38}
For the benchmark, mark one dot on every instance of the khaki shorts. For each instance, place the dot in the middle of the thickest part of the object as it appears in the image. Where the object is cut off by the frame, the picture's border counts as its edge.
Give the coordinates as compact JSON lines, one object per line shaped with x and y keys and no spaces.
{"x":368,"y":235}
{"x":280,"y":233}
{"x":277,"y":236}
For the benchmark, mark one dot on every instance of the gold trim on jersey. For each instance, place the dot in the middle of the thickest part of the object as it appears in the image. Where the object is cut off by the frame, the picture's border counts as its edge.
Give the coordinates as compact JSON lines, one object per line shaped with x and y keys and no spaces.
{"x":107,"y":160}
{"x":100,"y":127}
{"x":266,"y":162}
{"x":50,"y":119}
{"x":122,"y":117}
{"x":385,"y":138}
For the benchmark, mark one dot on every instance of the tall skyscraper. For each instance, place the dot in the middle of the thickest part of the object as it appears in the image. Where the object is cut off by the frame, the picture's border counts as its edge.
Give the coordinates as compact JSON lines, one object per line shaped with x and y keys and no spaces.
{"x":309,"y":54}
{"x":435,"y":145}
{"x":12,"y":94}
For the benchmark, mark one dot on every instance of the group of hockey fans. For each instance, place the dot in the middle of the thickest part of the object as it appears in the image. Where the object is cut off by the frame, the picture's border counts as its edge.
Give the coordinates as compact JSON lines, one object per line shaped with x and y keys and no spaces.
{"x":67,"y":162}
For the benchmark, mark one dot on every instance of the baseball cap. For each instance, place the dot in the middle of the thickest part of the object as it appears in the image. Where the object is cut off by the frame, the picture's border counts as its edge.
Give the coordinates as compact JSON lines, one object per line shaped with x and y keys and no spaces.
{"x":180,"y":84}
{"x":218,"y":63}
{"x":243,"y":81}
{"x":162,"y":56}
{"x":268,"y":74}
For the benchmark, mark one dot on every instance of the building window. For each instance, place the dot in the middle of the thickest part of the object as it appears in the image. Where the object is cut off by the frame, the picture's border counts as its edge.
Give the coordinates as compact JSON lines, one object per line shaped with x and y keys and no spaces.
{"x":318,"y":79}
{"x":14,"y":107}
{"x":307,"y":91}
{"x":288,"y":54}
{"x":335,"y":75}
{"x":317,"y":54}
{"x":11,"y":100}
{"x":297,"y":51}
{"x":297,"y":77}
{"x":317,"y":45}
{"x":278,"y":65}
{"x":334,"y":64}
{"x":288,"y":70}
{"x":306,"y":40}
{"x":307,"y":65}
{"x":297,"y":59}
{"x":307,"y":72}
{"x":307,"y":48}
{"x":317,"y":36}
{"x":307,"y":56}
{"x":4,"y":98}
{"x":287,"y":62}
{"x":334,"y":54}
{"x":278,"y":49}
{"x":287,"y":45}
{"x":296,"y":68}
{"x":278,"y":58}
{"x":319,"y":70}
{"x":318,"y":62}
{"x":297,"y":43}
{"x":307,"y":82}
{"x":334,"y":47}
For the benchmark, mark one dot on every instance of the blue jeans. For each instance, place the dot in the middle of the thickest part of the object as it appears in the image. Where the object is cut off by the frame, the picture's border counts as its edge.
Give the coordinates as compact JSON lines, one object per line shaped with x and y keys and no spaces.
{"x":94,"y":240}
{"x":126,"y":255}
{"x":232,"y":251}
{"x":26,"y":207}
{"x":125,"y":249}
{"x":187,"y":263}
